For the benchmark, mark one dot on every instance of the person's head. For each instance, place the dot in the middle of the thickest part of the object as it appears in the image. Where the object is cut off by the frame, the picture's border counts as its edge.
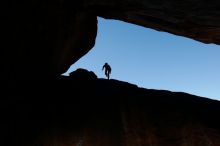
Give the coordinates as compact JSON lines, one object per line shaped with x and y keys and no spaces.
{"x":106,"y":63}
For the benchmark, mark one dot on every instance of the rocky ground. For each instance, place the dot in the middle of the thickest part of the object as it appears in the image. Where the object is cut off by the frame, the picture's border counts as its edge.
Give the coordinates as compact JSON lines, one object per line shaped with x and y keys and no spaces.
{"x":82,"y":110}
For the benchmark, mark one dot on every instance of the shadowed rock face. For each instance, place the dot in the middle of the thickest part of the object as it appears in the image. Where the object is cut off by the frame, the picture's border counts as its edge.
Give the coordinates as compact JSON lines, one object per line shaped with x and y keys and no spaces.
{"x":43,"y":38}
{"x":196,"y":19}
{"x":82,"y":110}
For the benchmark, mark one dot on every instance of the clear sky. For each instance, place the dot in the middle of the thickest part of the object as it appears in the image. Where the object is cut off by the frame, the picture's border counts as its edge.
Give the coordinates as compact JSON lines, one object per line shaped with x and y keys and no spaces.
{"x":154,"y":60}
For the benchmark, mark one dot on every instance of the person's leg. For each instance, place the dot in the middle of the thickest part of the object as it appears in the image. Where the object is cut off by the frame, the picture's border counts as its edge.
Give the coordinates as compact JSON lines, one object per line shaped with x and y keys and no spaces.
{"x":108,"y":75}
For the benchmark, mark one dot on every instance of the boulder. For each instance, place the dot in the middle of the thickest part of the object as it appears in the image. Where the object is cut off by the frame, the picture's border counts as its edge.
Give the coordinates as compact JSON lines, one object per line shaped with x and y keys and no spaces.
{"x":83,"y":74}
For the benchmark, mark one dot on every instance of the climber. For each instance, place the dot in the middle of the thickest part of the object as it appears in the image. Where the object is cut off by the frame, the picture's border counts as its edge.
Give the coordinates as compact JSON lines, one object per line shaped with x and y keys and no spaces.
{"x":108,"y":69}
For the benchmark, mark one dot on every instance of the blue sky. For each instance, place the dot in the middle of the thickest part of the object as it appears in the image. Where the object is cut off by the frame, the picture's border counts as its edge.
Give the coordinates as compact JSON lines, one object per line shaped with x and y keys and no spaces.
{"x":153,"y":59}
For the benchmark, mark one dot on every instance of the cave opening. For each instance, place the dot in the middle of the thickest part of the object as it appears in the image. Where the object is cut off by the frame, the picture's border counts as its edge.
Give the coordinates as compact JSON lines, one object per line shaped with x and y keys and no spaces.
{"x":153,"y":59}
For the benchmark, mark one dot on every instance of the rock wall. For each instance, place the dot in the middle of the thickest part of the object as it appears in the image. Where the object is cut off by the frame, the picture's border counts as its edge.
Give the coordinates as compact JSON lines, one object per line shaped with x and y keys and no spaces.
{"x":41,"y":39}
{"x":85,"y":111}
{"x":196,"y":19}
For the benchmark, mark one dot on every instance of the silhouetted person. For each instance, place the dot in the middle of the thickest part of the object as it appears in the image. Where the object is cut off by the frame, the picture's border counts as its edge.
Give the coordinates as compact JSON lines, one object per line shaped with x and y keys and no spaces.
{"x":108,"y":70}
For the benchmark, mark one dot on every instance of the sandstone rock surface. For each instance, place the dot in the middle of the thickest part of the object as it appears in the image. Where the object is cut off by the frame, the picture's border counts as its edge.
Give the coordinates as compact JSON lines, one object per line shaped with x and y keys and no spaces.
{"x":72,"y":111}
{"x":196,"y":19}
{"x":41,"y":39}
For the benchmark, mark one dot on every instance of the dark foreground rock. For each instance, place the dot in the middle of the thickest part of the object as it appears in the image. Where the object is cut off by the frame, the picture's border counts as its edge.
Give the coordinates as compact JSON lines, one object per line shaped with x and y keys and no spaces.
{"x":72,"y":111}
